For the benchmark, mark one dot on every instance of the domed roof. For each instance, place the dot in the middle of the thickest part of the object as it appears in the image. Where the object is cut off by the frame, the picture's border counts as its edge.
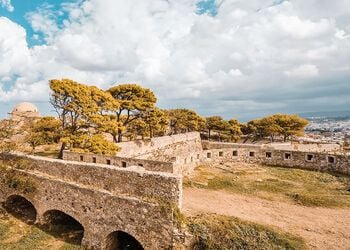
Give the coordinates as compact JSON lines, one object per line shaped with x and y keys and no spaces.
{"x":25,"y":107}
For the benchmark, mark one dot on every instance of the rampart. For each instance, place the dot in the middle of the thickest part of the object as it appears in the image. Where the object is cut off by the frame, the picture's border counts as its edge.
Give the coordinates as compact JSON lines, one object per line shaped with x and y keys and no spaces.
{"x":178,"y":154}
{"x":181,"y":153}
{"x":102,"y":198}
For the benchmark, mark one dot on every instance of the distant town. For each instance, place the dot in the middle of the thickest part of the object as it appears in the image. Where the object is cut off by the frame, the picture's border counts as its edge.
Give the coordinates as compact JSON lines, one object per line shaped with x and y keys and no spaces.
{"x":329,"y":128}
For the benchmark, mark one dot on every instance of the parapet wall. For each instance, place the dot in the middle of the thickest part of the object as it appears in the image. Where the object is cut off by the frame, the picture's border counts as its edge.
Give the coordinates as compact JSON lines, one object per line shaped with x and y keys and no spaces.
{"x":140,"y":148}
{"x":269,"y":155}
{"x":178,"y":154}
{"x":122,"y":162}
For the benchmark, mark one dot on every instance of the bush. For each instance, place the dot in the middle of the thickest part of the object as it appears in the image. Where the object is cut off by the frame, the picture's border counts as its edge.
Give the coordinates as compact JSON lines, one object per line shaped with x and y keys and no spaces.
{"x":16,"y":180}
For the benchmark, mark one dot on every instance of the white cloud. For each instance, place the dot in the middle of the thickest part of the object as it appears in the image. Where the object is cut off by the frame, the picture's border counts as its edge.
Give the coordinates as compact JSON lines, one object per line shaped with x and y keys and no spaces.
{"x":44,"y":20}
{"x":240,"y":56}
{"x":235,"y":72}
{"x":306,"y":70}
{"x":341,"y":34}
{"x":14,"y":52}
{"x":301,"y":29}
{"x":7,"y":5}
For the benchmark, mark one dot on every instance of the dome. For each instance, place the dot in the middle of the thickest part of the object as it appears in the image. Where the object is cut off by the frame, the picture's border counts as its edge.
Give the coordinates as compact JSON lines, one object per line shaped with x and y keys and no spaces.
{"x":25,"y":107}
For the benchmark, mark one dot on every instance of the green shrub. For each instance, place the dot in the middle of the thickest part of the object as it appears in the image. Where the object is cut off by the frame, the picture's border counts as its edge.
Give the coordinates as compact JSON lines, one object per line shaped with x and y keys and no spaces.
{"x":16,"y":180}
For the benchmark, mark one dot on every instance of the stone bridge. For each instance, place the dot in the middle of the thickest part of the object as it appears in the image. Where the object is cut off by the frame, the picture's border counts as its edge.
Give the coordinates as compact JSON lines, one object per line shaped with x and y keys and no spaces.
{"x":113,"y":207}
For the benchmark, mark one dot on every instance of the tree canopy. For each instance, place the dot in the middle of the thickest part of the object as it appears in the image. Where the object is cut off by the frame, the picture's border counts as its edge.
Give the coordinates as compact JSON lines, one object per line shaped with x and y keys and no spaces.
{"x":43,"y":131}
{"x":8,"y":129}
{"x":184,"y":120}
{"x":284,"y":125}
{"x":133,"y":101}
{"x":82,"y":110}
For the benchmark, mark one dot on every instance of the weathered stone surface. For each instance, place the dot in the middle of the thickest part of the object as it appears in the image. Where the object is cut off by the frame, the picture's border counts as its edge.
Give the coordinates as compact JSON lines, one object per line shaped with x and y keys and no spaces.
{"x":331,"y":161}
{"x":178,"y":154}
{"x":122,"y":162}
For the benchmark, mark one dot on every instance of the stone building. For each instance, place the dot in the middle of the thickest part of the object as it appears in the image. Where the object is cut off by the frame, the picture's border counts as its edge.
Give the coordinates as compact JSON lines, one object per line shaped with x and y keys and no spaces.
{"x":24,"y":110}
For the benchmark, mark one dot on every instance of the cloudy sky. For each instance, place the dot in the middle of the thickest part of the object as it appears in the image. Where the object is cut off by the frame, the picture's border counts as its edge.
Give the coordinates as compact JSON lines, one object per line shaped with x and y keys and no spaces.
{"x":235,"y":58}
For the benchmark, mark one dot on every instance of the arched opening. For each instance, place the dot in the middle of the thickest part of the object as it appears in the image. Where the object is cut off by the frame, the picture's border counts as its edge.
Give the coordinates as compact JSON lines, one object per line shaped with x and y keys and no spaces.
{"x":20,"y":208}
{"x":63,"y":226}
{"x":122,"y":241}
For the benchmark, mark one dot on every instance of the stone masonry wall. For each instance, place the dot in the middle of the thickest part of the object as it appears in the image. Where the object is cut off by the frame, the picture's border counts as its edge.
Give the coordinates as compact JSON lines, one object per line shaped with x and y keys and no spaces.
{"x":178,"y":154}
{"x":310,"y":160}
{"x":268,"y":155}
{"x":139,"y":148}
{"x":122,"y":162}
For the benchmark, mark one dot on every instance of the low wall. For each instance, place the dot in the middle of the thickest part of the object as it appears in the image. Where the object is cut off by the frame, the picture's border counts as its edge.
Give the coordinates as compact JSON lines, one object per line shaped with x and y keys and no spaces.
{"x":267,"y":154}
{"x":122,"y":162}
{"x":309,"y":160}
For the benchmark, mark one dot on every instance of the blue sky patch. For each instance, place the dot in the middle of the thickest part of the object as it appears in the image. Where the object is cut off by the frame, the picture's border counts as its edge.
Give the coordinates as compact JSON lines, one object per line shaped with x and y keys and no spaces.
{"x":207,"y":7}
{"x":23,"y":7}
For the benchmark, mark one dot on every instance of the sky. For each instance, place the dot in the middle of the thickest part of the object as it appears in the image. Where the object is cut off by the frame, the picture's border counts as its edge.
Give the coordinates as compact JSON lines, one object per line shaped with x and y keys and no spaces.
{"x":234,"y":58}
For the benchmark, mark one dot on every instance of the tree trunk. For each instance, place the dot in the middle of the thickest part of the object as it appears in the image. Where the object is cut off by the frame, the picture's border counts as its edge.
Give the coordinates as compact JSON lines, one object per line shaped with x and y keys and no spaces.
{"x":208,"y":134}
{"x":120,"y":137}
{"x":114,"y":138}
{"x":33,"y":149}
{"x":60,"y":155}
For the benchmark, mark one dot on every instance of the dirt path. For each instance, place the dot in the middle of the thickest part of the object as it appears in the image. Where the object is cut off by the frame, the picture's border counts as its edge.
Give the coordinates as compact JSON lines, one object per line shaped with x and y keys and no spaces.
{"x":322,"y":228}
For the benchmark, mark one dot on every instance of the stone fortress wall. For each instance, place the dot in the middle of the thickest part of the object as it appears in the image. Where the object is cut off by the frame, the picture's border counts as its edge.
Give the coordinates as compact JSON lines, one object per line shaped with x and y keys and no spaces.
{"x":182,"y":153}
{"x":102,"y":198}
{"x":319,"y":158}
{"x":178,"y":154}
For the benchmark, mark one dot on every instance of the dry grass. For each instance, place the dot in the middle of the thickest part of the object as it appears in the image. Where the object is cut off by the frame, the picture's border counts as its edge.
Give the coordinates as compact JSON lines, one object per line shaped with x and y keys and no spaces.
{"x":223,"y":232}
{"x":298,"y":186}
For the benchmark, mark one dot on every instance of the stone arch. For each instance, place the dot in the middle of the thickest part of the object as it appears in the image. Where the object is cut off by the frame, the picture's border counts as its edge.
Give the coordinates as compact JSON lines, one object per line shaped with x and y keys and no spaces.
{"x":120,"y":240}
{"x":63,"y":225}
{"x":21,"y":208}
